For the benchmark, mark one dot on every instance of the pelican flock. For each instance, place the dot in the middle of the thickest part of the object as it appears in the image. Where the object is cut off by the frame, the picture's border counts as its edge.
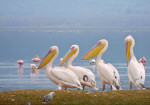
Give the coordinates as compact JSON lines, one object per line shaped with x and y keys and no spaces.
{"x":106,"y":72}
{"x":60,"y":76}
{"x":70,"y":76}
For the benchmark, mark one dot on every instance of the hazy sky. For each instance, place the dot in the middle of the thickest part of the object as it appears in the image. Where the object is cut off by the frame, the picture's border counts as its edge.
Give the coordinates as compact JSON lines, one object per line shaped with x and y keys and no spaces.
{"x":75,"y":12}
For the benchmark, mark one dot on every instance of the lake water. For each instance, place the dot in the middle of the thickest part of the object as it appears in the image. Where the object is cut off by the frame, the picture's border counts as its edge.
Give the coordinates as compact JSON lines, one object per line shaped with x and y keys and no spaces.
{"x":25,"y":44}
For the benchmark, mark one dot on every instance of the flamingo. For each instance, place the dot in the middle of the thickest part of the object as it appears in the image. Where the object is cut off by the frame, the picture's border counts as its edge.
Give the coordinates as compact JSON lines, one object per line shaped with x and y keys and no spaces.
{"x":86,"y":77}
{"x":59,"y":75}
{"x":142,"y":60}
{"x":106,"y":71}
{"x":36,"y":59}
{"x":136,"y":70}
{"x":20,"y":62}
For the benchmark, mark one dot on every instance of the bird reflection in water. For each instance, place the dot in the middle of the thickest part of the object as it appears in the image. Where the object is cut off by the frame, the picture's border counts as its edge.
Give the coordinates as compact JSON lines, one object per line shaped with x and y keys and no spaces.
{"x":20,"y":70}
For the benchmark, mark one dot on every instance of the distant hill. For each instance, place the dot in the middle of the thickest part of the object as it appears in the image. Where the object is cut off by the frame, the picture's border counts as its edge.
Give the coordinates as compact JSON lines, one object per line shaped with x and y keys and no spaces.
{"x":75,"y":12}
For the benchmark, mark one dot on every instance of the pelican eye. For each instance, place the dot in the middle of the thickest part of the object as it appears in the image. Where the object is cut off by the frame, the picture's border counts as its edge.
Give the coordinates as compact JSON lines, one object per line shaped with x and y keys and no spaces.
{"x":72,"y":48}
{"x":51,"y":50}
{"x":126,"y":41}
{"x":100,"y":42}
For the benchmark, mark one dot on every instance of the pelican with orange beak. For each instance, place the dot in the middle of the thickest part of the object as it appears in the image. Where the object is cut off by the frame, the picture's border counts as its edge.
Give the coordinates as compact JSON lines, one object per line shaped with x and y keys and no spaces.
{"x":136,"y":71}
{"x":106,"y":72}
{"x":86,"y":77}
{"x":60,"y":76}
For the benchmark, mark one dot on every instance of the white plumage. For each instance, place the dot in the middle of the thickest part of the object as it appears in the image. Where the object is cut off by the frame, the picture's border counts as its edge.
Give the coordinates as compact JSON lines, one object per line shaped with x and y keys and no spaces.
{"x":136,"y":71}
{"x":106,"y":72}
{"x":59,"y":75}
{"x":78,"y":70}
{"x":109,"y":75}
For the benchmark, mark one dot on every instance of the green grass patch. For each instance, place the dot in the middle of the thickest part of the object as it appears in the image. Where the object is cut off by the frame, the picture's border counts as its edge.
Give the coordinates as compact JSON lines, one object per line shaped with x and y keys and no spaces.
{"x":75,"y":97}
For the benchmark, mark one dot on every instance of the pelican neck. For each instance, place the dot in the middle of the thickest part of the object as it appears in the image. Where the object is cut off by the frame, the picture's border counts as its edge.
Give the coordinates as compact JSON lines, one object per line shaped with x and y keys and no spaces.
{"x":69,"y":63}
{"x":100,"y":54}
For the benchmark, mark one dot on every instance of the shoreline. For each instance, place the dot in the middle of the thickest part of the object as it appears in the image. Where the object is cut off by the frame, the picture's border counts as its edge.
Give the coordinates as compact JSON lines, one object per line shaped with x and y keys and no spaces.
{"x":62,"y":97}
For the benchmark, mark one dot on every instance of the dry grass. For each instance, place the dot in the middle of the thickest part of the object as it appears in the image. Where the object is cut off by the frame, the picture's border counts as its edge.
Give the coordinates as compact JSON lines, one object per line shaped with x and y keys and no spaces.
{"x":75,"y":97}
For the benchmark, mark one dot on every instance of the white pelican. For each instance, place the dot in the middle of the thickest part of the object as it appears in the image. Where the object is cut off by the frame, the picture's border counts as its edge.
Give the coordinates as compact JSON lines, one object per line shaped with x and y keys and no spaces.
{"x":64,"y":77}
{"x":92,"y":62}
{"x":106,"y":72}
{"x":86,"y":77}
{"x":136,"y":71}
{"x":33,"y":67}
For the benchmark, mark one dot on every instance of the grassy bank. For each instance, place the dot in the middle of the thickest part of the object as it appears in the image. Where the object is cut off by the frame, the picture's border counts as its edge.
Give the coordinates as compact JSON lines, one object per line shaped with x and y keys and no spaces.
{"x":74,"y":97}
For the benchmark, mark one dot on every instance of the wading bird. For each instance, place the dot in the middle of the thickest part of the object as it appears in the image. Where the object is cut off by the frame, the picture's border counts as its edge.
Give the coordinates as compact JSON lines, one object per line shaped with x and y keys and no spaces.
{"x":92,"y":62}
{"x":20,"y":62}
{"x":36,"y":59}
{"x":106,"y":72}
{"x":142,"y":60}
{"x":86,"y":77}
{"x":136,"y":71}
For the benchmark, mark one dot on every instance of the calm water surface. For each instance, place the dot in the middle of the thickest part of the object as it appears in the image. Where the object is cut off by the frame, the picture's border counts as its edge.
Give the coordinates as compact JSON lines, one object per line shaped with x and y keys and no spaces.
{"x":15,"y":45}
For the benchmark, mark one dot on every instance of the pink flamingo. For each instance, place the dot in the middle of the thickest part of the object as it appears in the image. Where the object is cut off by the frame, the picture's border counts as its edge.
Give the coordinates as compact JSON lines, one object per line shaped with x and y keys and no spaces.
{"x":20,"y":62}
{"x":142,"y":60}
{"x":36,"y":59}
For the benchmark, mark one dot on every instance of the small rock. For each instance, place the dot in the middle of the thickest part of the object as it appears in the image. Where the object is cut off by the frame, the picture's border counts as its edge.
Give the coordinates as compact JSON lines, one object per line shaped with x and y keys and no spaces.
{"x":13,"y":100}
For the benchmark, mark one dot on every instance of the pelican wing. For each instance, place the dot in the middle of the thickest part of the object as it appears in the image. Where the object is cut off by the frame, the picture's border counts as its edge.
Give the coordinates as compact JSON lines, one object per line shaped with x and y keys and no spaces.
{"x":109,"y":74}
{"x":106,"y":72}
{"x":142,"y":66}
{"x":142,"y":72}
{"x":135,"y":70}
{"x":64,"y":74}
{"x":137,"y":73}
{"x":116,"y":74}
{"x":81,"y":71}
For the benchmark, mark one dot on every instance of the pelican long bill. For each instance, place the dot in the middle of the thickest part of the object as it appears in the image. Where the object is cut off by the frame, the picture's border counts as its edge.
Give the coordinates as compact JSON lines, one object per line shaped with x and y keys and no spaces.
{"x":47,"y":58}
{"x":67,"y":56}
{"x":128,"y":44}
{"x":93,"y":52}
